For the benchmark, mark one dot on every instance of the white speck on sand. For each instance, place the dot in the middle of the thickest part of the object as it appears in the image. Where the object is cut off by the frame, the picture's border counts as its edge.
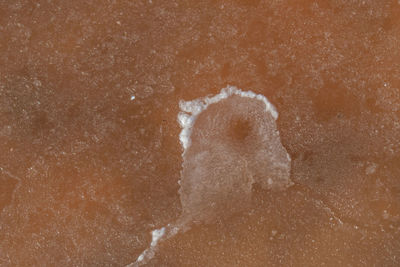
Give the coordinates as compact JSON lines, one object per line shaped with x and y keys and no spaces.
{"x":371,"y":168}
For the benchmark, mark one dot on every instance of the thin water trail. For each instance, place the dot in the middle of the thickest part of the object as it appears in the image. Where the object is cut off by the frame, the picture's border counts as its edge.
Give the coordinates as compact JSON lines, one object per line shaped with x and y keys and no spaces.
{"x":230,"y":141}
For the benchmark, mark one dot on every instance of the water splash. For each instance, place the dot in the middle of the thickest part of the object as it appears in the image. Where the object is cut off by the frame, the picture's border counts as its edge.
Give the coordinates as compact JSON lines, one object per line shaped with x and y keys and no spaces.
{"x":230,"y":141}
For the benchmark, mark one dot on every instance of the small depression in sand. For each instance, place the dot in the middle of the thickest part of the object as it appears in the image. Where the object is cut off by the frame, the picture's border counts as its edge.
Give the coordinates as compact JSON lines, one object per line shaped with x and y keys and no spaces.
{"x":230,"y":142}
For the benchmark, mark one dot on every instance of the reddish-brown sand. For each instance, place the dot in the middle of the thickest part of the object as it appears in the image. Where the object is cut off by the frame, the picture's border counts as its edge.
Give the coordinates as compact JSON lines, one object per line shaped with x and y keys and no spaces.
{"x":90,"y":156}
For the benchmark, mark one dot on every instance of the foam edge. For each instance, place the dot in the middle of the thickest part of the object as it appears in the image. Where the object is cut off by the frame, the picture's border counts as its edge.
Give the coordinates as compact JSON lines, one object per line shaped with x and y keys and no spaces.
{"x":191,"y":109}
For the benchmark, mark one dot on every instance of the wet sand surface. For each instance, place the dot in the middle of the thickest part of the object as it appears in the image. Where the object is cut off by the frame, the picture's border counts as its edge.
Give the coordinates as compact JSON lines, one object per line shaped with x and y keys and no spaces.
{"x":89,"y":137}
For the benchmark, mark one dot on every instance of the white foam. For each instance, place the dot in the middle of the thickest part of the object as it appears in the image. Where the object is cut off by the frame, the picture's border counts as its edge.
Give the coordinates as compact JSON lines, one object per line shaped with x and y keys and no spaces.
{"x":186,"y":118}
{"x":149,"y":253}
{"x":191,"y":109}
{"x":156,"y":235}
